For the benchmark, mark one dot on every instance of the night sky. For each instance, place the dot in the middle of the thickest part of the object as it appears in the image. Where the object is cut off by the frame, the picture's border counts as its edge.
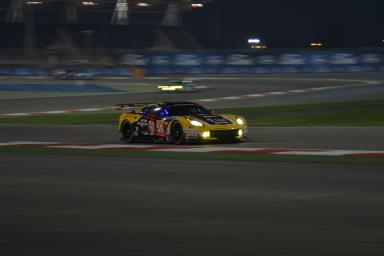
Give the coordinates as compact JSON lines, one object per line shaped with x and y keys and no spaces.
{"x":289,"y":23}
{"x":279,"y":23}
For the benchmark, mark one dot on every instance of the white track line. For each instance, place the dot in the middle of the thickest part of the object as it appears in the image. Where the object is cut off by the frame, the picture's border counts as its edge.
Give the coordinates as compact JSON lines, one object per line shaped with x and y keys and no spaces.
{"x":195,"y":149}
{"x":322,"y":153}
{"x":30,"y":143}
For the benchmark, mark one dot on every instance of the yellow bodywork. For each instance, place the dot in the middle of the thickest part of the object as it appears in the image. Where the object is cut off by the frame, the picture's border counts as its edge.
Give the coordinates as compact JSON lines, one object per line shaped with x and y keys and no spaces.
{"x":206,"y":132}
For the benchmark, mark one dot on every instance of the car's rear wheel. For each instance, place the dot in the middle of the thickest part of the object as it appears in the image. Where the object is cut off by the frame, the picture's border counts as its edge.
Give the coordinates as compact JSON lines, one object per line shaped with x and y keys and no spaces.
{"x":177,"y":134}
{"x":127,"y":132}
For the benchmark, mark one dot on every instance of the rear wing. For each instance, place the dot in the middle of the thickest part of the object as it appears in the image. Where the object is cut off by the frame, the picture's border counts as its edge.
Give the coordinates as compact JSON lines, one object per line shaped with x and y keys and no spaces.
{"x":133,"y":107}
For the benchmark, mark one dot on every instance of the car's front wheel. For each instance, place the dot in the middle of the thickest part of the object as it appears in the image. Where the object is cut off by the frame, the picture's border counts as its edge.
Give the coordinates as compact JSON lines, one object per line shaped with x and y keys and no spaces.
{"x":177,"y":134}
{"x":127,"y":132}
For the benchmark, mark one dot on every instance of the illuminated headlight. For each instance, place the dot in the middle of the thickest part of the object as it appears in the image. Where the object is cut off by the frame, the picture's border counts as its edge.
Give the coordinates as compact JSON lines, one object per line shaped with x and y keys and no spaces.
{"x":239,"y":121}
{"x":240,"y":133}
{"x":196,"y":123}
{"x":206,"y":134}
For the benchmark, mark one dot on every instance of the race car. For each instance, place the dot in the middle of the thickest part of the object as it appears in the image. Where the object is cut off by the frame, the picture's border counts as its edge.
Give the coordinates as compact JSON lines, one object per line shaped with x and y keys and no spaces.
{"x":180,"y":86}
{"x":177,"y":123}
{"x":72,"y":74}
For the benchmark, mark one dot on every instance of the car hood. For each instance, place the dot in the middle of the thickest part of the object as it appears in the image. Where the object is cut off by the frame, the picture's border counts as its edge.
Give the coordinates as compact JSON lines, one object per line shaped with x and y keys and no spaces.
{"x":213,"y":119}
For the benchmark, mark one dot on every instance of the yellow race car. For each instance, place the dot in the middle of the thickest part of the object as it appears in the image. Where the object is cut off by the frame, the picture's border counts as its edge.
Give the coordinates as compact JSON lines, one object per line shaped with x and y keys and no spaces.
{"x":178,"y":122}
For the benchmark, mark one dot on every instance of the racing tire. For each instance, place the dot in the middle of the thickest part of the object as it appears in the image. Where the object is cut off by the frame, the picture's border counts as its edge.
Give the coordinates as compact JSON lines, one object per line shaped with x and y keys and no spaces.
{"x":127,"y":132}
{"x":177,"y":134}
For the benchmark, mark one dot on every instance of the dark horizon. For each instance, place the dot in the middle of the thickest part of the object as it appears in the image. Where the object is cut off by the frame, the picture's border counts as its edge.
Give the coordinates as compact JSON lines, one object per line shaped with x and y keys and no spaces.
{"x":226,"y":24}
{"x":286,"y":24}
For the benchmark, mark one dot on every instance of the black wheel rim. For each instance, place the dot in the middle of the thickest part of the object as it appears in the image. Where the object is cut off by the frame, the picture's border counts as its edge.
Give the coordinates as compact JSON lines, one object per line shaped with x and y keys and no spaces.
{"x":127,"y":131}
{"x":177,"y":133}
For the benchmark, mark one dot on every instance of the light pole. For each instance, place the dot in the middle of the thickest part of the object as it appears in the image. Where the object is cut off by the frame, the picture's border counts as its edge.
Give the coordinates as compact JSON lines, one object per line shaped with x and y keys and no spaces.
{"x":30,"y":33}
{"x":87,"y":43}
{"x":120,"y":14}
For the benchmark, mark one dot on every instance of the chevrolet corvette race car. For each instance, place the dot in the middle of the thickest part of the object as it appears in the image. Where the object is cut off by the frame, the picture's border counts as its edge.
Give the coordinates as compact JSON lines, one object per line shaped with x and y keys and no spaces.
{"x":178,"y":122}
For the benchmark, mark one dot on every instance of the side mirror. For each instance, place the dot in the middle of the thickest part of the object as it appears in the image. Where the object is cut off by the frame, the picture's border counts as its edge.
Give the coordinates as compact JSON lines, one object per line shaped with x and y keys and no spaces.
{"x":212,"y":112}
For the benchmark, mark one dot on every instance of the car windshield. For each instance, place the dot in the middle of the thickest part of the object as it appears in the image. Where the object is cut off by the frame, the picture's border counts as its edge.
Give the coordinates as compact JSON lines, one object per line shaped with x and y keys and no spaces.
{"x":179,"y":110}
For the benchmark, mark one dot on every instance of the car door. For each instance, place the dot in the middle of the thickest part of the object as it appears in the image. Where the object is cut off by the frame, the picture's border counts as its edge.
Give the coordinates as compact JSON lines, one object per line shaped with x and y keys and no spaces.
{"x":154,"y":121}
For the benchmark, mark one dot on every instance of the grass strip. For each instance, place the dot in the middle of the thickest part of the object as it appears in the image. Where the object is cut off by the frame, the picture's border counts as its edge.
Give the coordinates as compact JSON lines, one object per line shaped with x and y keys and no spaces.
{"x":195,"y":155}
{"x":349,"y":113}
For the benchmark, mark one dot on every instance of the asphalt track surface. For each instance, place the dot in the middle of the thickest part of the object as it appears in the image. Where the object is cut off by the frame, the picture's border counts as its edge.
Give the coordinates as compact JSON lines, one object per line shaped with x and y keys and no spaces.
{"x":61,"y":205}
{"x":348,"y":138}
{"x":218,"y":87}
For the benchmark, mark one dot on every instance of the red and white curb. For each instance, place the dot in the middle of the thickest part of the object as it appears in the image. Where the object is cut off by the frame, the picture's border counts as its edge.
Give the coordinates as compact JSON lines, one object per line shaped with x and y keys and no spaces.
{"x":359,"y":83}
{"x":53,"y":112}
{"x":248,"y":96}
{"x":196,"y":149}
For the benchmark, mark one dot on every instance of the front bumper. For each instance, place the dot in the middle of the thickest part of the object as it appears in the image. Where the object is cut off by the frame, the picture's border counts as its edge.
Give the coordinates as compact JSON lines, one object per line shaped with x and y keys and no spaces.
{"x":216,"y":135}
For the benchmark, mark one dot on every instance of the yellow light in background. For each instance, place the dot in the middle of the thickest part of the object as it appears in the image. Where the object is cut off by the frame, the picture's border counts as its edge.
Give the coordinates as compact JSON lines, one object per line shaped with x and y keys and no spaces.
{"x":197,"y":5}
{"x":316,"y":44}
{"x":170,"y":87}
{"x":143,"y":4}
{"x":34,"y":2}
{"x":88,"y":3}
{"x":258,"y":46}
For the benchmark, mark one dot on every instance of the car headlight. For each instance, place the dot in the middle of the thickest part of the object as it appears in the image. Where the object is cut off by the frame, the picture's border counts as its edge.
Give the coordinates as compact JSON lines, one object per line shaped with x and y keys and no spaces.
{"x":196,"y":123}
{"x":206,"y":134}
{"x":239,"y":121}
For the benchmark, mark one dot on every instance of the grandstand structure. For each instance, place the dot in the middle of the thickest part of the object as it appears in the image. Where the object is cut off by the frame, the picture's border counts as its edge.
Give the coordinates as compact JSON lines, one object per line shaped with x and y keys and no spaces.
{"x":90,"y":30}
{"x":119,"y":10}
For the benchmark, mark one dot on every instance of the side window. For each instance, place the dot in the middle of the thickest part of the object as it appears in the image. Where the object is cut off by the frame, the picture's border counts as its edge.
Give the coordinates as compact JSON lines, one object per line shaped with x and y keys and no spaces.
{"x":164,"y":112}
{"x":145,"y":111}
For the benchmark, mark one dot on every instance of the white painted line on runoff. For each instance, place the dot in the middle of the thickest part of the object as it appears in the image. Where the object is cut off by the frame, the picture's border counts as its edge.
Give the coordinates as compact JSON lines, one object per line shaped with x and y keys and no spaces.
{"x":200,"y":87}
{"x":123,"y":146}
{"x":231,"y":98}
{"x":30,"y":143}
{"x":196,"y":149}
{"x":297,"y":91}
{"x":17,"y":114}
{"x":73,"y":146}
{"x":206,"y":100}
{"x":277,"y":93}
{"x":317,"y":153}
{"x":107,"y":146}
{"x":56,"y":112}
{"x":329,"y":152}
{"x":91,"y":109}
{"x":255,"y":95}
{"x":202,"y":149}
